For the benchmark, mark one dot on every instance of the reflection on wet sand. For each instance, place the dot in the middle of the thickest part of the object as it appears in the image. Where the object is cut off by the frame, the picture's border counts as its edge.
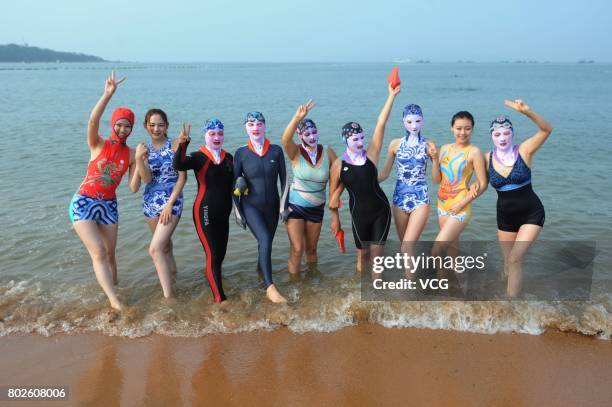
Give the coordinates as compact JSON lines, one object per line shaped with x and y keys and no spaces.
{"x":102,"y":384}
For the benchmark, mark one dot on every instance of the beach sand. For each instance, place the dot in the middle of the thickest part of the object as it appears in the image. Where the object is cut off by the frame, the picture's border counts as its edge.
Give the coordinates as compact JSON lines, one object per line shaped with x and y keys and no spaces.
{"x":358,"y":366}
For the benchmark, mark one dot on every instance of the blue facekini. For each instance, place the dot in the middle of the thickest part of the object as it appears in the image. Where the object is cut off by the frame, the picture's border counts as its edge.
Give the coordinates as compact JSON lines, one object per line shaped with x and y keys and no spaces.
{"x":253,"y":116}
{"x":412,"y":109}
{"x":213,"y":124}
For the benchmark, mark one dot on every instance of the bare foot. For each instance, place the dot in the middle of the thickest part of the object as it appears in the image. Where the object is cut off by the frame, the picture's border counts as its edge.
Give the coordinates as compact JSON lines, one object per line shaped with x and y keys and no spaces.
{"x":274,"y":296}
{"x":117,"y":306}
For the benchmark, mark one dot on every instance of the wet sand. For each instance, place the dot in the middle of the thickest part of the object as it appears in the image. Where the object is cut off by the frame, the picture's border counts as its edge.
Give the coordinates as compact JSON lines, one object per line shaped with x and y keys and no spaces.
{"x":356,"y":366}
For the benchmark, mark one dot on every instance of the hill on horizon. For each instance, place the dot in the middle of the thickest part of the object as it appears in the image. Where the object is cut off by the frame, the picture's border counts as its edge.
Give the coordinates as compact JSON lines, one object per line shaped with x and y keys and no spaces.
{"x":26,"y":53}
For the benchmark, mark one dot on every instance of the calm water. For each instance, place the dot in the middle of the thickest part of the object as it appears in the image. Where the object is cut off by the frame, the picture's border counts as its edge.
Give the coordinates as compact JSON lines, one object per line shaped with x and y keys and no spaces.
{"x":46,"y":281}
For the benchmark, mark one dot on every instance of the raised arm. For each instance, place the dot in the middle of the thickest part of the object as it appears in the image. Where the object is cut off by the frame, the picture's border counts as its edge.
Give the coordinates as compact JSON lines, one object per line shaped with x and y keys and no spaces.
{"x":93,"y":126}
{"x":532,"y":144}
{"x":379,"y":132}
{"x":384,"y":174}
{"x":181,"y":161}
{"x":291,"y":148}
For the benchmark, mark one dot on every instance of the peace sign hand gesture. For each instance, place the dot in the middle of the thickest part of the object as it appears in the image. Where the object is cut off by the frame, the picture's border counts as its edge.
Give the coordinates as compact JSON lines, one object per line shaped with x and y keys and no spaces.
{"x":184,"y":135}
{"x":111,"y":84}
{"x":303,"y":110}
{"x":517,"y":105}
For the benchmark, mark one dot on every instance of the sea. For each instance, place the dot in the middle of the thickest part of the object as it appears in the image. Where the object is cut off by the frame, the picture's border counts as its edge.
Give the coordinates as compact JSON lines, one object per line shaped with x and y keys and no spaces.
{"x":47,"y":284}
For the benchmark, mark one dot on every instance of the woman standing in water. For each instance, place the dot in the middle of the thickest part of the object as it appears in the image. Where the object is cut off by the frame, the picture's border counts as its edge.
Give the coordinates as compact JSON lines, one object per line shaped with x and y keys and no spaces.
{"x":520,"y":213}
{"x":162,"y":201}
{"x":214,"y":171}
{"x":260,"y":165}
{"x":310,"y":162}
{"x":454,"y":169}
{"x":410,"y":196}
{"x":356,"y":171}
{"x":93,"y":209}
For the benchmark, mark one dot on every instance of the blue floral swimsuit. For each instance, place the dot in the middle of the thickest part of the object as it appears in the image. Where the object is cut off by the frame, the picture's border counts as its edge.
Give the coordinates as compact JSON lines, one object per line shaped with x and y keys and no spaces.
{"x":164,"y":177}
{"x":411,"y":186}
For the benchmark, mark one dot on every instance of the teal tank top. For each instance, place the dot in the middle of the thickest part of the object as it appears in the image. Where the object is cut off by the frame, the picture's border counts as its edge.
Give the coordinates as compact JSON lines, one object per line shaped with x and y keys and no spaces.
{"x":309,"y":183}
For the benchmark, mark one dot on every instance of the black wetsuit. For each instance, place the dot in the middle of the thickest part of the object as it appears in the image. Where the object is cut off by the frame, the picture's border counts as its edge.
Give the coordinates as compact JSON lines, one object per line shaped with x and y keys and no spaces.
{"x":517,"y":203}
{"x":368,"y":203}
{"x":211,"y":208}
{"x":262,"y":206}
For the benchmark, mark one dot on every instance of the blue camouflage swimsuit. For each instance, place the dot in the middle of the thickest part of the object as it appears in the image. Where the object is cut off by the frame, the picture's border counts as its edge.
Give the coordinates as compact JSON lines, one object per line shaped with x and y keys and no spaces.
{"x":411,"y":186}
{"x":164,"y":177}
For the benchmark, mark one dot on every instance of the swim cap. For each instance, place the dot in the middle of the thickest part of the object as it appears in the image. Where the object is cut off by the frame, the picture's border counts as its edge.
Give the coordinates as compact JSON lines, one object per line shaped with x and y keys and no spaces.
{"x":252,"y":116}
{"x":350,"y":129}
{"x":213,"y":124}
{"x":412,"y":109}
{"x":118,"y":114}
{"x":500,"y":122}
{"x":304,"y":124}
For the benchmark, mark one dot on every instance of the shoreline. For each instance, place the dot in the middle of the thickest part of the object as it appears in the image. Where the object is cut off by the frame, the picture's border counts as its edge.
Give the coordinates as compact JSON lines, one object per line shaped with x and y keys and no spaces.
{"x":360,"y":365}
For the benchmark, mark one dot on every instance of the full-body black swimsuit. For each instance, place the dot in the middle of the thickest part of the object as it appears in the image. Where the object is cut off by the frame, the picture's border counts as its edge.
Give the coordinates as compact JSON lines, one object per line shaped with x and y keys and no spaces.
{"x":211,"y":208}
{"x":368,"y":203}
{"x":262,"y":206}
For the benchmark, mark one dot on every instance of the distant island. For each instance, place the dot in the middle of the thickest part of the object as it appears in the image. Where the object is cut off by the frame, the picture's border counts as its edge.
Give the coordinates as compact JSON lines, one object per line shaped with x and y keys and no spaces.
{"x":25,"y":53}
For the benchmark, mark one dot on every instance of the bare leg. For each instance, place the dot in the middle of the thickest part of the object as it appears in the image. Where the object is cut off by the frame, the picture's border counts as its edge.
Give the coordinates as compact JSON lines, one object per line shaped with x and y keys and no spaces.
{"x":450,"y":229}
{"x":153,"y":222}
{"x":90,"y":235}
{"x":160,"y":251}
{"x":526,"y":235}
{"x":401,"y":221}
{"x":376,"y":251}
{"x":109,"y":235}
{"x":313,"y":232}
{"x":416,"y":223}
{"x":506,"y":241}
{"x":363,"y":255}
{"x":295,"y":231}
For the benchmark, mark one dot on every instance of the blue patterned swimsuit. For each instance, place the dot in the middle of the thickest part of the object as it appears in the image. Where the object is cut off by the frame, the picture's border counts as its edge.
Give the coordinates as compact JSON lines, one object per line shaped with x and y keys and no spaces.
{"x":411,"y":186}
{"x":164,"y":177}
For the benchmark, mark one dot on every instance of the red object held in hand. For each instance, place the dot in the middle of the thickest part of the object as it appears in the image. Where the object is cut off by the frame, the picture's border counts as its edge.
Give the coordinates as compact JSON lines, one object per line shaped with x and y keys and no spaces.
{"x":393,"y":78}
{"x":340,"y":239}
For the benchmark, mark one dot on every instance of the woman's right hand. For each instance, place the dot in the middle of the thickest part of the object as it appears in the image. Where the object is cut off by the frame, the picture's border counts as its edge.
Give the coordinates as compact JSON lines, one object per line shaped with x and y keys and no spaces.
{"x":141,"y":151}
{"x":303,"y":110}
{"x":334,"y":226}
{"x":111,"y":84}
{"x":432,"y":151}
{"x":184,"y":136}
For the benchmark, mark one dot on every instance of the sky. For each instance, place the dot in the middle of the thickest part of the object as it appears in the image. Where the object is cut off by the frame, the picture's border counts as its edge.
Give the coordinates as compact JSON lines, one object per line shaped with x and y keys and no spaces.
{"x":315,"y":30}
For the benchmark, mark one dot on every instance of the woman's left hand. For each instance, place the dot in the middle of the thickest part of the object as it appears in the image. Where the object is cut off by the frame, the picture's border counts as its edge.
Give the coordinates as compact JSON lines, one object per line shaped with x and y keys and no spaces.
{"x":456,"y":208}
{"x":517,"y":105}
{"x":473,"y":193}
{"x":394,"y":91}
{"x":166,"y":214}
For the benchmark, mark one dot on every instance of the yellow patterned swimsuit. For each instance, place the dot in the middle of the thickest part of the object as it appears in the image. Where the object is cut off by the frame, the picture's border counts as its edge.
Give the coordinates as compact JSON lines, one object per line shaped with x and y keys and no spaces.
{"x":456,"y":173}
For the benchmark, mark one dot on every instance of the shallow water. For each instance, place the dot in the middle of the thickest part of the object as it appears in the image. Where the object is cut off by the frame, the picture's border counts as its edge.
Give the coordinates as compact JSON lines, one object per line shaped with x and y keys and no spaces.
{"x":46,"y":281}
